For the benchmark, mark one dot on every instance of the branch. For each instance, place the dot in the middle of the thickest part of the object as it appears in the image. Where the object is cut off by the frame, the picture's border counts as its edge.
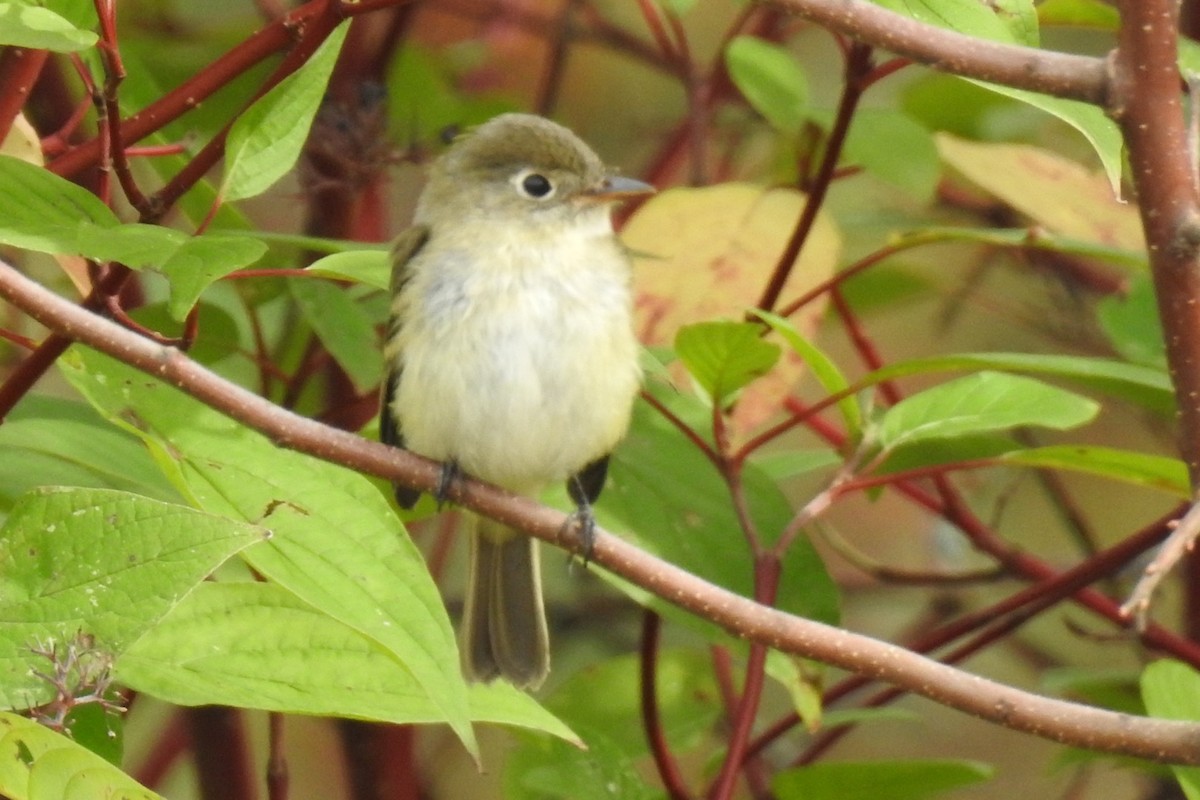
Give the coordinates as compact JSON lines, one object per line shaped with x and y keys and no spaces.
{"x":1060,"y":721}
{"x":1060,"y":74}
{"x":1146,"y":104}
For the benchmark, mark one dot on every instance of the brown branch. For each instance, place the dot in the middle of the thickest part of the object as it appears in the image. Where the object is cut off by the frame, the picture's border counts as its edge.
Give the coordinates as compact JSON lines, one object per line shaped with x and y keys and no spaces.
{"x":1060,"y":74}
{"x":1146,"y":103}
{"x":1068,"y":723}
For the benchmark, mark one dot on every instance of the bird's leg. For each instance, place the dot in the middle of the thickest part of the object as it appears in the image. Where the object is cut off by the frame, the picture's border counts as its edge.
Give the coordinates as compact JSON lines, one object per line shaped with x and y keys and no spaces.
{"x":450,"y":475}
{"x":582,"y":519}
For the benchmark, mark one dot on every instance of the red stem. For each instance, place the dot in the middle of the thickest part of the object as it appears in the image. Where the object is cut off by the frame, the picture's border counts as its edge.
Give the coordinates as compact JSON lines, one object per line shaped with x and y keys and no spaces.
{"x":664,"y":761}
{"x":19,"y":70}
{"x":857,"y":68}
{"x":767,"y":570}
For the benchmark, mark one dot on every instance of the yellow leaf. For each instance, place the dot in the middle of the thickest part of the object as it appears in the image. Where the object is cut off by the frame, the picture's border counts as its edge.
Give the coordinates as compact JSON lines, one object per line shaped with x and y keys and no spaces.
{"x":1057,"y":193}
{"x":708,"y":253}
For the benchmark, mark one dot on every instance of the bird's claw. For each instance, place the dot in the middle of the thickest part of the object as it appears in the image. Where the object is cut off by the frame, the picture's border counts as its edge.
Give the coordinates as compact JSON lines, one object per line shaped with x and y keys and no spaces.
{"x":449,"y":476}
{"x":584,"y":522}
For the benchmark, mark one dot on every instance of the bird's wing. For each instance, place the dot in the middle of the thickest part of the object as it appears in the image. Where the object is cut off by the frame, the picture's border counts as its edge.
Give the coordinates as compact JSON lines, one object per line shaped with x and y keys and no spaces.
{"x":406,"y":247}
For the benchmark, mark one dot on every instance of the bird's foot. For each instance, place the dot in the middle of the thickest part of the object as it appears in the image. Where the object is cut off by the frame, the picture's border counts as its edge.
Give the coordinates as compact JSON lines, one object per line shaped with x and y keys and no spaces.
{"x":584,"y":522}
{"x":450,"y":475}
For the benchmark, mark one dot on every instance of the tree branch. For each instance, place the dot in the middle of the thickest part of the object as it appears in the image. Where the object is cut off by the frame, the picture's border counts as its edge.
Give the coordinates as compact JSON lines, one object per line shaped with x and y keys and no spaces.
{"x":1060,"y":74}
{"x":1068,"y":723}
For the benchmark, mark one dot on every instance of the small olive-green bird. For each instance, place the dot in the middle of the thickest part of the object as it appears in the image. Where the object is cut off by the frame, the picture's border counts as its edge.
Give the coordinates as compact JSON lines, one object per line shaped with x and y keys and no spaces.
{"x":511,"y":353}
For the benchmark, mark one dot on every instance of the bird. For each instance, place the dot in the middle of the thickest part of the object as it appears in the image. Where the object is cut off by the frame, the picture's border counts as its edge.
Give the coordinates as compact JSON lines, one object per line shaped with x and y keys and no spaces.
{"x":511,"y":354}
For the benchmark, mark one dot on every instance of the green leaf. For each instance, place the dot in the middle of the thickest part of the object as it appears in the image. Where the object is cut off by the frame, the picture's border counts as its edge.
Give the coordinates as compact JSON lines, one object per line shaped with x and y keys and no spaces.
{"x":981,"y":403}
{"x":37,"y":763}
{"x":823,"y":368}
{"x":1147,"y":387}
{"x":1020,"y":17}
{"x":1114,"y":688}
{"x":426,"y":99}
{"x":794,"y":463}
{"x":200,"y":260}
{"x":72,"y":436}
{"x":43,"y":212}
{"x":1083,"y":13}
{"x":895,"y":148}
{"x":928,"y":452}
{"x":965,"y":16}
{"x":549,"y":769}
{"x":724,"y":356}
{"x":256,"y":645}
{"x":1132,"y":325}
{"x":41,"y":29}
{"x":102,"y":563}
{"x":1141,"y":469}
{"x":1172,"y":691}
{"x":337,"y":546}
{"x":605,"y":698}
{"x":266,"y":140}
{"x":770,"y":79}
{"x":664,"y":495}
{"x":99,"y":730}
{"x":343,"y":327}
{"x":1015,"y":21}
{"x":370,"y":267}
{"x":878,"y":780}
{"x":1132,"y":260}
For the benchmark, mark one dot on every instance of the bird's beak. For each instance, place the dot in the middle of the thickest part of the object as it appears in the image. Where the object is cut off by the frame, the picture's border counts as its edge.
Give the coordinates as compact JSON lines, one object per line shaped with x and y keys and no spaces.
{"x":616,"y":188}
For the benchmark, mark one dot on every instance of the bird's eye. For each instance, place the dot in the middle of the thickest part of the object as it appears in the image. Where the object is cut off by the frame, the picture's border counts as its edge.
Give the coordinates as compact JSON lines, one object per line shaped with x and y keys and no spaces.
{"x":534,"y":185}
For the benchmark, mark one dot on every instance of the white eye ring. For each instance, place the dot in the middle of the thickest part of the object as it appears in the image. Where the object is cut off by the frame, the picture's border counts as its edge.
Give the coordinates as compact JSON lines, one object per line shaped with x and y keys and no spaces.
{"x":534,"y":185}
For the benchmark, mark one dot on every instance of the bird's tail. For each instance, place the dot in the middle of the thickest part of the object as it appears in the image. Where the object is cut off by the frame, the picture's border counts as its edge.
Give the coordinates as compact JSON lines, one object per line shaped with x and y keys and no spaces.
{"x":504,"y":622}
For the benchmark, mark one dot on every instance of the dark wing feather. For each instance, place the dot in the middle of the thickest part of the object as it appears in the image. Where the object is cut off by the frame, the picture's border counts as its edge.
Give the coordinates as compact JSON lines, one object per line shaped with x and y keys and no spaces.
{"x":585,"y":485}
{"x":407,"y":245}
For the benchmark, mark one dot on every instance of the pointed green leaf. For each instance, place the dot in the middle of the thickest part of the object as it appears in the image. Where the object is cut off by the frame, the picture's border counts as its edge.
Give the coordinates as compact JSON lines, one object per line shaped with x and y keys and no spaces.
{"x":345,"y":329}
{"x":878,"y":780}
{"x":1140,"y":469}
{"x":256,"y":645}
{"x":37,"y":763}
{"x":1092,"y":123}
{"x":200,"y":260}
{"x":724,"y":356}
{"x":823,"y":368}
{"x":965,"y":16}
{"x":266,"y":140}
{"x":1132,"y":325}
{"x":371,"y":267}
{"x":770,"y":79}
{"x":337,"y":545}
{"x":981,"y":403}
{"x":1147,"y":387}
{"x":1172,"y":691}
{"x":43,"y":212}
{"x":1079,"y":13}
{"x":70,"y":435}
{"x":41,"y":29}
{"x":100,"y":563}
{"x":667,"y":497}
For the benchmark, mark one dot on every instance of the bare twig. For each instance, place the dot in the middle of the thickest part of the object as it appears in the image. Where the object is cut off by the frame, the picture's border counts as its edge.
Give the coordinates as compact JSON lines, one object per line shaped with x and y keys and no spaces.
{"x":664,"y":760}
{"x":1059,"y":74}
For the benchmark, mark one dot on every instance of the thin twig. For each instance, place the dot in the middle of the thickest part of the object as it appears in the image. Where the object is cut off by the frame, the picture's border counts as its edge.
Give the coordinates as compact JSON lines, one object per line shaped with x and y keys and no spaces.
{"x":664,"y":760}
{"x":1060,"y":74}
